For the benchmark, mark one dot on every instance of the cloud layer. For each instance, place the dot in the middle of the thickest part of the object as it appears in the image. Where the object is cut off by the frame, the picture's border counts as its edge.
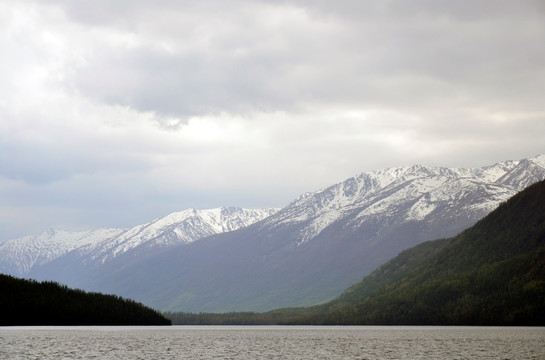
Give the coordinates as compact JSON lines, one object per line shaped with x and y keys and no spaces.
{"x":115,"y":112}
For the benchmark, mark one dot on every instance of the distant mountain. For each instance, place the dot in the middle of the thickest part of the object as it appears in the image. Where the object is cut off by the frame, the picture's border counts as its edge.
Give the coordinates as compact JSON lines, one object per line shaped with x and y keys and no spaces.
{"x":18,"y":256}
{"x":317,"y":246}
{"x":25,"y":302}
{"x":21,"y":257}
{"x":491,"y":274}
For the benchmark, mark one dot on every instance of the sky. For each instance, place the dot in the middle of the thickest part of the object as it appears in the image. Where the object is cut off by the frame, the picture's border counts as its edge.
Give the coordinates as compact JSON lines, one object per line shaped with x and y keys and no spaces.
{"x":116,"y":112}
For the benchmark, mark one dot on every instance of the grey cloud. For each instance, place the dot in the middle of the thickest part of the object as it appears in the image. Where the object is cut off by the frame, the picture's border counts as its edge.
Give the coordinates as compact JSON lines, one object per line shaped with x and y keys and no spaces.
{"x":447,"y":83}
{"x":51,"y":160}
{"x":431,"y":54}
{"x":151,"y":79}
{"x":459,"y":10}
{"x":182,"y":86}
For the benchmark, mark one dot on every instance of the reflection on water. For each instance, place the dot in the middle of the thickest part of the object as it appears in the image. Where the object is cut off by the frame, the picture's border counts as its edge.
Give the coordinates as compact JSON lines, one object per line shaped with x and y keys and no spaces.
{"x":271,"y":342}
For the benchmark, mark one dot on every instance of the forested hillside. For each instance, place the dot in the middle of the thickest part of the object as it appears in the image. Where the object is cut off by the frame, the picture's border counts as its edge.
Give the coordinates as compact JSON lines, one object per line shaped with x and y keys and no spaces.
{"x":490,"y":274}
{"x":25,"y":302}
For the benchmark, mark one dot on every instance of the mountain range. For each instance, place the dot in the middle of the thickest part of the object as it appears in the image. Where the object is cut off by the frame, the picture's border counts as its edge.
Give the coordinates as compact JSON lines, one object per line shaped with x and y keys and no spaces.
{"x":22,"y":256}
{"x":490,"y":274}
{"x":305,"y":253}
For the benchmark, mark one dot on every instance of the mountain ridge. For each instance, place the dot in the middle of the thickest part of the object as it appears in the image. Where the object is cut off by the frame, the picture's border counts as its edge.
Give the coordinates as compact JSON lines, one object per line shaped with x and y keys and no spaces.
{"x":305,"y":253}
{"x":20,"y":255}
{"x":319,"y":244}
{"x":359,"y":190}
{"x":491,"y":274}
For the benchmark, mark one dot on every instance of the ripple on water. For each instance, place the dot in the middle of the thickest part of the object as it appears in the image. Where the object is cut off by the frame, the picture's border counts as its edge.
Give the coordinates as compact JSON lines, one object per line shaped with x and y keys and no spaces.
{"x":271,"y":342}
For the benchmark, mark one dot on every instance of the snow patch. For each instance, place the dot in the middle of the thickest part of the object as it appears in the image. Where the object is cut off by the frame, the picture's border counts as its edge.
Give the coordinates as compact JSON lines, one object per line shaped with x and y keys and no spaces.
{"x":420,"y":210}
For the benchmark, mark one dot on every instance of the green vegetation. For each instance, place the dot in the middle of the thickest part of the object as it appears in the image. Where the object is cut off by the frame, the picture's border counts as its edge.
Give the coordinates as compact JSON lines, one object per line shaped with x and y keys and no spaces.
{"x":491,"y":274}
{"x":27,"y":302}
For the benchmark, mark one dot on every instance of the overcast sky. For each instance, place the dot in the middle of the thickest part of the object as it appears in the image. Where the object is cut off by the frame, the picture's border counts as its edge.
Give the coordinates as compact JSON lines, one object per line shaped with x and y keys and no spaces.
{"x":115,"y":112}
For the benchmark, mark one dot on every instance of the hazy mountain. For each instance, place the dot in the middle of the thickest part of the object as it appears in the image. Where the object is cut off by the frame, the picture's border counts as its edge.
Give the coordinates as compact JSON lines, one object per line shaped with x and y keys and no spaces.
{"x":18,"y":256}
{"x":21,"y":256}
{"x":317,"y":246}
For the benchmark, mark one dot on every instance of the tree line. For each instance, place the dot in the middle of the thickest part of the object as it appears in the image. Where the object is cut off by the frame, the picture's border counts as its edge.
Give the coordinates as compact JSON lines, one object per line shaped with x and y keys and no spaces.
{"x":29,"y":302}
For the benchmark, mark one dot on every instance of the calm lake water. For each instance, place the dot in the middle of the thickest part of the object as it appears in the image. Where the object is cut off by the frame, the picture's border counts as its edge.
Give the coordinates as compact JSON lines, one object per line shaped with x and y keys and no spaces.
{"x":271,"y":342}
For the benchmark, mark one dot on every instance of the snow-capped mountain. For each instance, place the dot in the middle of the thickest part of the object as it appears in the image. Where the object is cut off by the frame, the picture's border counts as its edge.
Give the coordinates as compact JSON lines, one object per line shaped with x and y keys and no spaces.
{"x":411,"y":193}
{"x":175,"y":229}
{"x":321,"y":243}
{"x":307,"y":252}
{"x":19,"y":256}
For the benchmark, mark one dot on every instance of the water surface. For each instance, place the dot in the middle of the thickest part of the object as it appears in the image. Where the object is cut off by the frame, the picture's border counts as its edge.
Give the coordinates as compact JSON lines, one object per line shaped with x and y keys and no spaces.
{"x":272,"y":342}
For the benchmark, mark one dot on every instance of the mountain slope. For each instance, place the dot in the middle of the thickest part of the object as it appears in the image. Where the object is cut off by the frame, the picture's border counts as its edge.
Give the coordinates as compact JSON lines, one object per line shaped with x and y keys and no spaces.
{"x":177,"y":228}
{"x":18,"y":256}
{"x":317,"y":246}
{"x":491,"y":274}
{"x":37,"y":256}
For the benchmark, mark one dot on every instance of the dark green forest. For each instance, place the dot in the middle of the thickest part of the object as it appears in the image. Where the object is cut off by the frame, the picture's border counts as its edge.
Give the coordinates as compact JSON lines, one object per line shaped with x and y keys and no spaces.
{"x":28,"y":302}
{"x":490,"y":274}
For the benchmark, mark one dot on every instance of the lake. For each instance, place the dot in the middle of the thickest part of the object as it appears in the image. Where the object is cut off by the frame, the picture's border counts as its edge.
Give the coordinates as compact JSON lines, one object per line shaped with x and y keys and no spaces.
{"x":272,"y":342}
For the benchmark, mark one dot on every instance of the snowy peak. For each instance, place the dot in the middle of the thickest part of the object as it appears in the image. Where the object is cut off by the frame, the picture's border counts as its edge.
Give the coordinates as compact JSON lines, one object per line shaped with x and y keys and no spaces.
{"x":411,"y":193}
{"x":322,"y":242}
{"x":177,"y":228}
{"x":525,"y":173}
{"x":19,"y":256}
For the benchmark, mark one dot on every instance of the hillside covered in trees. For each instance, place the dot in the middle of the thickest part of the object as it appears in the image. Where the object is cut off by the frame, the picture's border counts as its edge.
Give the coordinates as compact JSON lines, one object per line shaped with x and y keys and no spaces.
{"x":26,"y":302}
{"x":490,"y":274}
